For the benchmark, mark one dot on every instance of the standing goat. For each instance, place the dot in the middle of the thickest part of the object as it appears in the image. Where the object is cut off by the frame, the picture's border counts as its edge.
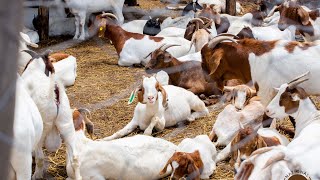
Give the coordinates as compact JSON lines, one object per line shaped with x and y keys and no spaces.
{"x":81,"y":9}
{"x":53,"y":104}
{"x":27,"y":131}
{"x":161,"y":107}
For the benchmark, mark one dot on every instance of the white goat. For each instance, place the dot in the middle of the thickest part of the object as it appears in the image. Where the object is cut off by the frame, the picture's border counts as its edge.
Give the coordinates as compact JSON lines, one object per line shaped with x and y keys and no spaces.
{"x":137,"y":157}
{"x":66,"y":71}
{"x":24,"y":57}
{"x":222,"y":4}
{"x":207,"y":151}
{"x":53,"y":104}
{"x":171,"y":32}
{"x":135,"y":26}
{"x":81,"y":9}
{"x":273,"y":33}
{"x":27,"y":131}
{"x":227,"y":123}
{"x":237,"y":22}
{"x":194,"y":57}
{"x":301,"y":152}
{"x":162,"y":107}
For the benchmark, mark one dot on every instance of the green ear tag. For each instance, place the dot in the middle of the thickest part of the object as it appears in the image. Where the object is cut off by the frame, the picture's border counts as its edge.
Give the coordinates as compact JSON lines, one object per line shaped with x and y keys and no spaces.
{"x":132,"y":96}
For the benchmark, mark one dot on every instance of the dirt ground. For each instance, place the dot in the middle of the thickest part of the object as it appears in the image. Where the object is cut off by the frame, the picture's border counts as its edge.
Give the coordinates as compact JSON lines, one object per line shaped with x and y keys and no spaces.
{"x":104,"y":88}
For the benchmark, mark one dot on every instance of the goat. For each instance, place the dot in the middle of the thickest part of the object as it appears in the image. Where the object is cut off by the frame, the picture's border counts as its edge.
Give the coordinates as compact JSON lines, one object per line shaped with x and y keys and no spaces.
{"x":207,"y":151}
{"x":306,"y":22}
{"x":27,"y":130}
{"x":192,"y":6}
{"x":80,"y":9}
{"x":53,"y":104}
{"x":152,"y":27}
{"x":23,"y":56}
{"x":171,"y":32}
{"x":221,"y":4}
{"x":199,"y":38}
{"x":124,"y":158}
{"x":227,"y":124}
{"x":125,"y":41}
{"x":268,"y":33}
{"x":186,"y":74}
{"x":300,"y":154}
{"x":248,"y":140}
{"x":199,"y":23}
{"x":66,"y":69}
{"x":159,"y":111}
{"x":255,"y":60}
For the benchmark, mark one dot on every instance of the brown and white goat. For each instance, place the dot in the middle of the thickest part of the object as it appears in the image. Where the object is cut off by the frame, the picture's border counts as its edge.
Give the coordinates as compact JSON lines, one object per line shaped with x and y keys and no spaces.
{"x":307,"y":22}
{"x":133,"y":48}
{"x":190,"y":165}
{"x":186,"y":74}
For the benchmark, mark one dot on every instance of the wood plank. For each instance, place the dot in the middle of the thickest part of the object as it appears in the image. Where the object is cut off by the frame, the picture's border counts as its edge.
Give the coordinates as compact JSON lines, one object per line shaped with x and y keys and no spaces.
{"x":43,"y":13}
{"x":231,"y":7}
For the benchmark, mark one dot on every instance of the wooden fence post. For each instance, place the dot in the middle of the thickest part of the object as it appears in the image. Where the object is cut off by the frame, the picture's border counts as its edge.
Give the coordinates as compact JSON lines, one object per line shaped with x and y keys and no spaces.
{"x":43,"y":13}
{"x":231,"y":7}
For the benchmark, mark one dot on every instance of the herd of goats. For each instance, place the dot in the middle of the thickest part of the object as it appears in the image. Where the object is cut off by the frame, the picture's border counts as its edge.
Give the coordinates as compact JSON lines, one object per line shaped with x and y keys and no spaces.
{"x":253,"y":61}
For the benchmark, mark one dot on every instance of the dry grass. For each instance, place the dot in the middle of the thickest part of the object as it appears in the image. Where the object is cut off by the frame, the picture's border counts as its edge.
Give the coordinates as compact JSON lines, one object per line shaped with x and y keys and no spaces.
{"x":104,"y":87}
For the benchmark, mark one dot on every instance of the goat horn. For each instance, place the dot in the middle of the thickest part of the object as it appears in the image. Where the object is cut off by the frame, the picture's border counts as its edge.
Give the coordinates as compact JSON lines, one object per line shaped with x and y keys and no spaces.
{"x":216,"y":40}
{"x":304,"y":77}
{"x":228,"y":88}
{"x":162,"y":46}
{"x":202,"y":17}
{"x":31,"y":53}
{"x":196,"y":19}
{"x":228,"y":34}
{"x":169,"y":46}
{"x":110,"y":15}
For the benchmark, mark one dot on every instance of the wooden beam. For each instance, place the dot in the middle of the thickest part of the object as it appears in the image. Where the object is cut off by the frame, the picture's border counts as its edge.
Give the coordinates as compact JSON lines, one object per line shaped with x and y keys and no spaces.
{"x":231,"y":7}
{"x":43,"y":13}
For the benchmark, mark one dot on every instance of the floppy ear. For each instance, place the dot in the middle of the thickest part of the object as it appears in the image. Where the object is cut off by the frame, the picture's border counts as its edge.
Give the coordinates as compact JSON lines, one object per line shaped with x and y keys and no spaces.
{"x":246,"y":171}
{"x":304,"y":16}
{"x":193,"y":171}
{"x":164,"y":94}
{"x":173,"y":158}
{"x":140,"y":92}
{"x":260,"y":142}
{"x":234,"y":149}
{"x":204,"y":6}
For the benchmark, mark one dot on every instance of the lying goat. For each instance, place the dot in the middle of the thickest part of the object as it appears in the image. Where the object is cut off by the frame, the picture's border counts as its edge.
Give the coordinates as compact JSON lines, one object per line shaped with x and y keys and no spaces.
{"x":227,"y":123}
{"x":138,"y":157}
{"x":125,"y":42}
{"x":161,"y":107}
{"x":196,"y":159}
{"x":186,"y":74}
{"x":302,"y":152}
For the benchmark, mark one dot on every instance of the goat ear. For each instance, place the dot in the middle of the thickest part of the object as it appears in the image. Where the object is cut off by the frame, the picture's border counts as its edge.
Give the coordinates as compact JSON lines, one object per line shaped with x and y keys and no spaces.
{"x":193,"y":170}
{"x":204,"y":6}
{"x":261,"y":143}
{"x":164,"y":94}
{"x":304,"y":16}
{"x":173,"y":158}
{"x":234,"y":149}
{"x":140,"y":92}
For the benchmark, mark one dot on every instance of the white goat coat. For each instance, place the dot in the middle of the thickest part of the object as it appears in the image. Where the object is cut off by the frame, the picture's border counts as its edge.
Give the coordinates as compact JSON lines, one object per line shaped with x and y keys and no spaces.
{"x":135,"y":26}
{"x":172,"y":32}
{"x":273,"y":33}
{"x":142,"y":47}
{"x":191,"y":57}
{"x":207,"y":151}
{"x":279,"y":66}
{"x":27,"y":130}
{"x":227,"y":123}
{"x":238,"y":22}
{"x":66,"y":71}
{"x":137,"y":157}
